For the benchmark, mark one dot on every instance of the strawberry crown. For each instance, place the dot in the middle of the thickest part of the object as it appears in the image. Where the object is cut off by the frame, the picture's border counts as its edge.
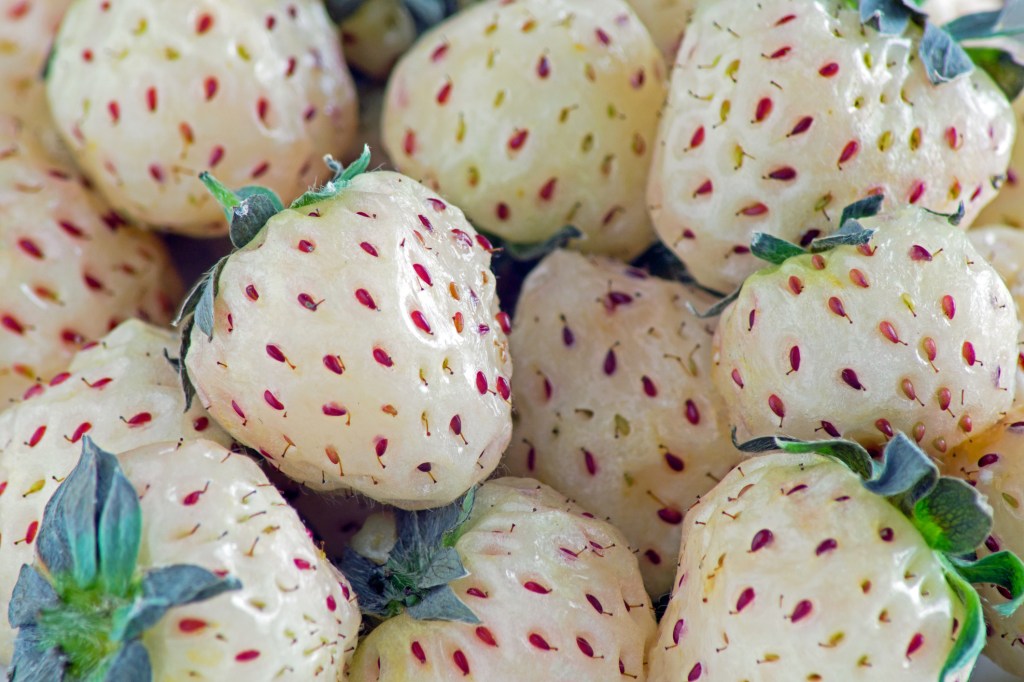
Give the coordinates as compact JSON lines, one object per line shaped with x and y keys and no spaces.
{"x":82,"y":609}
{"x":951,"y":516}
{"x":419,"y":569}
{"x":944,"y":56}
{"x":248,"y":211}
{"x":851,"y":232}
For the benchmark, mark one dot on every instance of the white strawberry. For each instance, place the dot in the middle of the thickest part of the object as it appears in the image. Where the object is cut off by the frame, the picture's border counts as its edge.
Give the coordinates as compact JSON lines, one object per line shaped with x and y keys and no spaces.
{"x":212,"y":576}
{"x":27,"y":28}
{"x":912,"y":331}
{"x":69,"y":266}
{"x":532,"y":115}
{"x":355,"y":340}
{"x":1003,"y":248}
{"x":797,"y":568}
{"x":993,"y":462}
{"x":614,"y":401}
{"x":376,"y":35}
{"x":148,"y":94}
{"x":783,"y":112}
{"x":519,"y":585}
{"x":121,"y":391}
{"x":1008,"y":206}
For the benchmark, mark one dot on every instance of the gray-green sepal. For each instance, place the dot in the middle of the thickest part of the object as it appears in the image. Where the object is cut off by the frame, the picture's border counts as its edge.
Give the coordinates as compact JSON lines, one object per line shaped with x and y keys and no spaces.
{"x":1002,"y":67}
{"x":418,"y":573}
{"x":167,"y":587}
{"x":943,"y":57}
{"x":953,"y":517}
{"x":905,"y":475}
{"x":1003,"y":569}
{"x":342,"y":178}
{"x":852,"y":454}
{"x":34,"y":660}
{"x":890,"y":17}
{"x":867,"y":207}
{"x":32,"y":593}
{"x":718,"y":308}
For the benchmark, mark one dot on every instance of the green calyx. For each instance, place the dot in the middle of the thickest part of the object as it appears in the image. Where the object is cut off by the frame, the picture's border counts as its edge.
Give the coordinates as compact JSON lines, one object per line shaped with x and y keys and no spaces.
{"x":418,"y":572}
{"x":952,"y":517}
{"x":248,"y":210}
{"x":941,"y":49}
{"x":81,"y":611}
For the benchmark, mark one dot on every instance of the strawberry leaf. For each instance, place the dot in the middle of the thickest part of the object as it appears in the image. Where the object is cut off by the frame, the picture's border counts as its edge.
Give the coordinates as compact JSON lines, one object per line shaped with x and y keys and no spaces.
{"x":178,"y":363}
{"x":852,"y":454}
{"x":526,"y":252}
{"x":770,"y":248}
{"x":417,"y":574}
{"x":889,"y":17}
{"x":1007,"y":21}
{"x":203,"y":317}
{"x":716,"y":309}
{"x":953,"y":219}
{"x":906,"y":476}
{"x":1003,"y":569}
{"x":342,"y":179}
{"x":953,"y":518}
{"x":944,"y":59}
{"x":258,"y":205}
{"x":1002,"y":67}
{"x":81,"y":614}
{"x":865,"y":208}
{"x":852,"y":233}
{"x":660,"y":261}
{"x":971,"y":638}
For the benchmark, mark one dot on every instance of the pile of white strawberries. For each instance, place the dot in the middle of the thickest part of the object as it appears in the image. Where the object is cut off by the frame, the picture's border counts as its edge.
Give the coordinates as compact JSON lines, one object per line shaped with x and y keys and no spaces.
{"x":756,"y":264}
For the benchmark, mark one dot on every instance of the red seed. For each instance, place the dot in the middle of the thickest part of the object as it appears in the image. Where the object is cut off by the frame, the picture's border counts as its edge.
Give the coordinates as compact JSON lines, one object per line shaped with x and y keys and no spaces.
{"x":678,"y":630}
{"x":944,"y":397}
{"x":915,"y":643}
{"x":795,"y":284}
{"x":674,"y":462}
{"x":30,"y":533}
{"x":486,"y":636}
{"x":332,"y":363}
{"x":369,"y":248}
{"x":851,"y":380}
{"x":670,"y":516}
{"x":829,"y":70}
{"x":918,"y":252}
{"x":602,"y":36}
{"x":306,"y":246}
{"x":381,"y":446}
{"x":504,"y":322}
{"x":251,"y":292}
{"x":698,"y":138}
{"x":695,"y":673}
{"x":460,"y":660}
{"x":705,"y":188}
{"x":762,"y":538}
{"x":948,"y":306}
{"x":417,"y":651}
{"x":139,"y":419}
{"x":200,"y":424}
{"x":151,"y":99}
{"x":501,"y":383}
{"x":784,"y":173}
{"x":536,"y":587}
{"x":777,"y":406}
{"x":422,"y":273}
{"x":836,"y":306}
{"x":584,"y":646}
{"x":858,"y":278}
{"x":968,"y":353}
{"x":802,"y":610}
{"x":746,"y":597}
{"x":248,"y":655}
{"x":548,"y":189}
{"x":988,"y":460}
{"x":849,"y":151}
{"x":364,"y":297}
{"x":610,"y":362}
{"x":409,"y":144}
{"x":203,"y":23}
{"x":794,"y":359}
{"x":543,"y":67}
{"x":764,"y":108}
{"x":275,"y":353}
{"x":31,"y":248}
{"x":755,"y":209}
{"x":518,"y":139}
{"x":80,"y":431}
{"x":916,"y":192}
{"x":210,"y":86}
{"x":590,"y":462}
{"x":692,"y":413}
{"x":481,"y":383}
{"x":737,"y":379}
{"x":272,"y":400}
{"x":382,"y":358}
{"x":334,"y":410}
{"x":539,"y":642}
{"x":595,"y":603}
{"x":444,"y":93}
{"x":802,"y":126}
{"x":649,"y":388}
{"x":502,"y":211}
{"x":886,"y":534}
{"x":37,"y":435}
{"x":888,"y":331}
{"x":826,"y":546}
{"x":191,"y":624}
{"x":885,"y":427}
{"x":420,"y":321}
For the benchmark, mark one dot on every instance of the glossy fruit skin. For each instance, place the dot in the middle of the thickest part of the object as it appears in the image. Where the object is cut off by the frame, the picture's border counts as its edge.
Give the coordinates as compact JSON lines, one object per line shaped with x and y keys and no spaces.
{"x":558,"y":594}
{"x":149,"y":94}
{"x":358,"y":344}
{"x":614,"y":401}
{"x":793,"y":124}
{"x":791,"y":570}
{"x":532,"y":115}
{"x":72,"y":269}
{"x":912,"y":332}
{"x":295,"y":615}
{"x":120,"y":391}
